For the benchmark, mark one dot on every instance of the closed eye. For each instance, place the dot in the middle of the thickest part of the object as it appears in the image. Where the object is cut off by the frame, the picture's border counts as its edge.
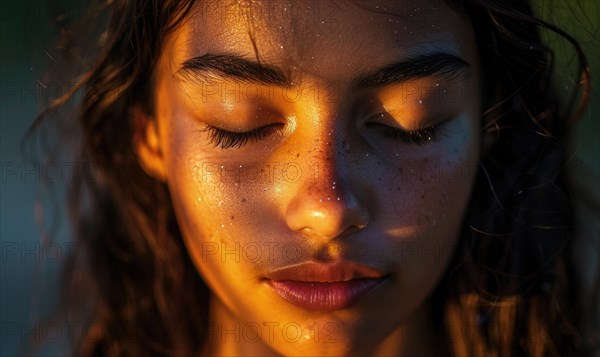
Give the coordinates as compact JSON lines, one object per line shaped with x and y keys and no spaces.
{"x":232,"y":139}
{"x":420,"y":137}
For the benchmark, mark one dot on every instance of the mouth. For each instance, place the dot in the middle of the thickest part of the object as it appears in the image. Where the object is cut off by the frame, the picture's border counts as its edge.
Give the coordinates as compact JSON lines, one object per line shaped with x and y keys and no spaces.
{"x":325,"y":287}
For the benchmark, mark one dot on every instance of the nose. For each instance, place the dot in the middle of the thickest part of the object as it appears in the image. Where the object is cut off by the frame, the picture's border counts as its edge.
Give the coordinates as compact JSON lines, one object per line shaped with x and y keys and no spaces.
{"x":325,"y":205}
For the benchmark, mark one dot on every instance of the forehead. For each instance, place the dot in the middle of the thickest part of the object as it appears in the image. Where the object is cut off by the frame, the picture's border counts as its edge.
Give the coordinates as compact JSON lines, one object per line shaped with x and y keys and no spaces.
{"x":327,"y":38}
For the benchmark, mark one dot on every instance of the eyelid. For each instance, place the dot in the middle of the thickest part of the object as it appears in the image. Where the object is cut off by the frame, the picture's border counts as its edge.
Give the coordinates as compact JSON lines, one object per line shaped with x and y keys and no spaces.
{"x":232,"y":139}
{"x":388,"y":118}
{"x":423,"y":135}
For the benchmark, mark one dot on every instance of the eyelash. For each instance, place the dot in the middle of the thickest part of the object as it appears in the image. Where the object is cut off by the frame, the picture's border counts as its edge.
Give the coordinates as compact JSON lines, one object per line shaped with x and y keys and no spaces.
{"x":230,"y":139}
{"x":419,"y":137}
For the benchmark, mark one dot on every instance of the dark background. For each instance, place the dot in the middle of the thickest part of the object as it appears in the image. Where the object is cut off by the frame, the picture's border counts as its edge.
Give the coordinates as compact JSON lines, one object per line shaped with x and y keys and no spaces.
{"x":28,"y":268}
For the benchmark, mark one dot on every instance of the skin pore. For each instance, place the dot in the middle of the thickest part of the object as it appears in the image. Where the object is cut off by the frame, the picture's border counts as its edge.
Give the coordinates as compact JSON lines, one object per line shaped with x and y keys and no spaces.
{"x":310,"y":161}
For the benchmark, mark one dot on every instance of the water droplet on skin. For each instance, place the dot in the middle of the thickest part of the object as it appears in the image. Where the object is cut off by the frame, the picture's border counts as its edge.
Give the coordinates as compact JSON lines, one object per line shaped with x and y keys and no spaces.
{"x":222,"y":225}
{"x":321,"y":200}
{"x":420,"y":101}
{"x":328,"y":198}
{"x":338,"y":198}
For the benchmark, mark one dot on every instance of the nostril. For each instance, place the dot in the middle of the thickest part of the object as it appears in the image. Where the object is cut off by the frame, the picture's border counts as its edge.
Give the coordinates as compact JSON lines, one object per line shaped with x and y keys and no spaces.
{"x":352,"y":229}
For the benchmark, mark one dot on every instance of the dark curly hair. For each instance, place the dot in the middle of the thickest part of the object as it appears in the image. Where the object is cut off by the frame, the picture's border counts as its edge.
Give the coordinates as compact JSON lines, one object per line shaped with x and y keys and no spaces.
{"x":511,"y":287}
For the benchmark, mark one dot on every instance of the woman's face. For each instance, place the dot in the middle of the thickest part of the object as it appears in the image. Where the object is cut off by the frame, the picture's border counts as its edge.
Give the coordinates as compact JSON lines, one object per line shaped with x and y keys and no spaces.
{"x":320,"y":156}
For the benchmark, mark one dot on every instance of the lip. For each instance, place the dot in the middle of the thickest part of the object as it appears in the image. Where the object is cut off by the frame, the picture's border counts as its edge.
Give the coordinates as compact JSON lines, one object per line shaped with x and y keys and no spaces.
{"x":324,"y":287}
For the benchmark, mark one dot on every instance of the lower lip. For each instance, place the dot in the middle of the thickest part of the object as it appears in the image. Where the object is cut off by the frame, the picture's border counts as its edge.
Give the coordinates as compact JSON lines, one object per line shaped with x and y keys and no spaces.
{"x":324,"y":296}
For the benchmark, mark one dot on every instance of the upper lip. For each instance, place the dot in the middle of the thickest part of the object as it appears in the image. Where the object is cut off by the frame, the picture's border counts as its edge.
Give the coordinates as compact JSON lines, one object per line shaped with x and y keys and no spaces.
{"x":325,"y":272}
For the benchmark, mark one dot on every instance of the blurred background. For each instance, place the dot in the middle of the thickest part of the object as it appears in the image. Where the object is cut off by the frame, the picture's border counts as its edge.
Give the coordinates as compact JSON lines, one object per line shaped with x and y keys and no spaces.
{"x":29,"y":265}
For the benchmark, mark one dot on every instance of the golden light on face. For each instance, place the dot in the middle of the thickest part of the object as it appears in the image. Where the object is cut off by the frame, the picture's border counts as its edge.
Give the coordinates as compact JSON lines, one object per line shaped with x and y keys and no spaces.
{"x":320,"y":166}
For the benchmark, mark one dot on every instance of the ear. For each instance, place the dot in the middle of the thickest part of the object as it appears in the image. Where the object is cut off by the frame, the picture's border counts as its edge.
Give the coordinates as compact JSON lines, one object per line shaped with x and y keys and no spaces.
{"x":146,"y":143}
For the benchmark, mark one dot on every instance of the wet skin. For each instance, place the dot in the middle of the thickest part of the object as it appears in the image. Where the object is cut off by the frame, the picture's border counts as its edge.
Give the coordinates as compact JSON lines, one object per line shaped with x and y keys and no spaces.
{"x":347,"y":134}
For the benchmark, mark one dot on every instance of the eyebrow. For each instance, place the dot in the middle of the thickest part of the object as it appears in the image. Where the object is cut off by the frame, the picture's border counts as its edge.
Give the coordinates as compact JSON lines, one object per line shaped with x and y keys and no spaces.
{"x":442,"y":65}
{"x":237,"y":68}
{"x":243,"y":70}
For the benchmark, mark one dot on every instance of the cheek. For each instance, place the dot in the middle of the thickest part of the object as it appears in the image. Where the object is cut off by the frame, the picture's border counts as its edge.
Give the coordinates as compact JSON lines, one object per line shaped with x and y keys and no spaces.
{"x":431,"y":215}
{"x":224,"y":208}
{"x":422,"y":218}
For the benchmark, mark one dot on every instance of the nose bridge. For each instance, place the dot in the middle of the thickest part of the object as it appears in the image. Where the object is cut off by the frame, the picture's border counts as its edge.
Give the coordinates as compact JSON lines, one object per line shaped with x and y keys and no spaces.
{"x":325,"y":204}
{"x":322,"y":140}
{"x":329,"y":180}
{"x":326,"y":133}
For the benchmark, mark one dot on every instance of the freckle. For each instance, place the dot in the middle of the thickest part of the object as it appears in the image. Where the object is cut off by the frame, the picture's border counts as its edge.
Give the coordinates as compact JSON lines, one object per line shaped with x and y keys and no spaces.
{"x":422,"y":196}
{"x":244,"y":199}
{"x":398,"y":188}
{"x":298,"y":154}
{"x":379,"y":179}
{"x":232,"y":217}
